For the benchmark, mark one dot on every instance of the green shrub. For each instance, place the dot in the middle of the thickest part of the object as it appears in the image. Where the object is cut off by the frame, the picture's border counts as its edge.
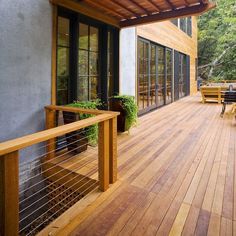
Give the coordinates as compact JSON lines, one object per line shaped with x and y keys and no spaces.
{"x":92,"y":131}
{"x":131,"y":109}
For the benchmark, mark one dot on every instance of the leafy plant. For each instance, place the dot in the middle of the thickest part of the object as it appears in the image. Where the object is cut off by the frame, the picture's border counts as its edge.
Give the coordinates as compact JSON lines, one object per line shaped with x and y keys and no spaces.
{"x":131,"y":109}
{"x":91,"y":132}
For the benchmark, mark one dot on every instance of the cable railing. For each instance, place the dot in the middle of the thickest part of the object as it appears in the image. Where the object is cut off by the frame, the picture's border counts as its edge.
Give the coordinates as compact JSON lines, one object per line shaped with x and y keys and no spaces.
{"x":61,"y":167}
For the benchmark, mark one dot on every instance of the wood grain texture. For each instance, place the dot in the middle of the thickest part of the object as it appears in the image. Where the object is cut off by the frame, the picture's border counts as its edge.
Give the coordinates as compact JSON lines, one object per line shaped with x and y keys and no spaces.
{"x":176,"y":176}
{"x":103,"y":155}
{"x":124,"y":13}
{"x":113,"y":150}
{"x":19,"y":143}
{"x":87,"y":10}
{"x":9,"y":200}
{"x":50,"y":123}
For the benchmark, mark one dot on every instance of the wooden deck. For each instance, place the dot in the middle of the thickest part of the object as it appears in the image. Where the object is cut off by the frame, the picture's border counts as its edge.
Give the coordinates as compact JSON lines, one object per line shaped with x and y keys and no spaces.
{"x":177,"y":175}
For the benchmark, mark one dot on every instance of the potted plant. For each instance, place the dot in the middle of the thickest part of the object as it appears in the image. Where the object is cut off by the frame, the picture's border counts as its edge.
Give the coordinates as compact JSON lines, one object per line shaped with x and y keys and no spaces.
{"x":128,"y":109}
{"x":78,"y":141}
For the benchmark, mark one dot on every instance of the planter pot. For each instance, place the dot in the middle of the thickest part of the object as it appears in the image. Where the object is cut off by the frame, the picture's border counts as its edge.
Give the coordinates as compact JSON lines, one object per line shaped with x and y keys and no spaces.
{"x":116,"y":105}
{"x":76,"y":143}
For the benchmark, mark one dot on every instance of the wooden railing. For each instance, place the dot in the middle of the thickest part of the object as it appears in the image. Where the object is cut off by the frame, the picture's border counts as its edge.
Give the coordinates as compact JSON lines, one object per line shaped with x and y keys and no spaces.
{"x":9,"y":158}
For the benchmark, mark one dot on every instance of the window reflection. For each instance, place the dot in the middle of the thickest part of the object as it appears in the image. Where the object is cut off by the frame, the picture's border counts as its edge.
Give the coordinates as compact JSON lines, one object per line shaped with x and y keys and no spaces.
{"x":161,"y":76}
{"x":182,"y":75}
{"x":63,"y":48}
{"x":168,"y":76}
{"x":88,"y":55}
{"x":154,"y":75}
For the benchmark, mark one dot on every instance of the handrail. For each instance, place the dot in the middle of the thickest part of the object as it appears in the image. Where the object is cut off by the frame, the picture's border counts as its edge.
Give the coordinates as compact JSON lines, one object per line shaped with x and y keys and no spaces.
{"x":81,"y":110}
{"x":9,"y":157}
{"x":28,"y":140}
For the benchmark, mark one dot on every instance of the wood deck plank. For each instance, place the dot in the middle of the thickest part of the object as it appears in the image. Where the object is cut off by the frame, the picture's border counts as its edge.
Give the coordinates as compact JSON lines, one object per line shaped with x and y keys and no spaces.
{"x":176,"y":176}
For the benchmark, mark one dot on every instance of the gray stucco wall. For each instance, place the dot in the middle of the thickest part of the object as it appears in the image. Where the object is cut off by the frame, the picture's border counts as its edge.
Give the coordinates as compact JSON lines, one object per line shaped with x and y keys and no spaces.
{"x":25,"y":66}
{"x":128,"y":48}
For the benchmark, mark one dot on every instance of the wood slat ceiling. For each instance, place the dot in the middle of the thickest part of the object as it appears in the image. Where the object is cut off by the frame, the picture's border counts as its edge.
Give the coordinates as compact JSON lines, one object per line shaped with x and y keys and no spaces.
{"x":135,"y":12}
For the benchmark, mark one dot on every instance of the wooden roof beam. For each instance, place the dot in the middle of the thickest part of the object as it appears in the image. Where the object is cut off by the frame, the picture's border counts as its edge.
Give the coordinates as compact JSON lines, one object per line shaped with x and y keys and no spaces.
{"x":106,"y":8}
{"x":116,"y":2}
{"x":139,"y":6}
{"x":87,"y":10}
{"x":154,"y":5}
{"x":170,"y":4}
{"x":183,"y":12}
{"x":186,"y":2}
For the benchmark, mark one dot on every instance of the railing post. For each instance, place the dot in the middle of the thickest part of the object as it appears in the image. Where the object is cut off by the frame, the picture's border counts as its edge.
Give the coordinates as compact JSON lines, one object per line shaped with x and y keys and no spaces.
{"x":113,"y":150}
{"x":103,"y":155}
{"x":9,"y":194}
{"x":50,"y":123}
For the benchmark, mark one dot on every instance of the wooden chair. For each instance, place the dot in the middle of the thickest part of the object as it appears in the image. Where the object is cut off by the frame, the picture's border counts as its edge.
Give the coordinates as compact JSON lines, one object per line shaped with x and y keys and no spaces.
{"x":211,"y":93}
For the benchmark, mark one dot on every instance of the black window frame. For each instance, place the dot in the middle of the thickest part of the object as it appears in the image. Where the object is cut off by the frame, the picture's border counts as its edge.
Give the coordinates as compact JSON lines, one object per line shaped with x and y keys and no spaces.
{"x":76,"y":18}
{"x":187,"y":24}
{"x":177,"y":62}
{"x":165,"y":49}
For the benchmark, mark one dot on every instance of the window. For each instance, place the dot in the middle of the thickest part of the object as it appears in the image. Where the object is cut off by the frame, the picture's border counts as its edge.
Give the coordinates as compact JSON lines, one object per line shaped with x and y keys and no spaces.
{"x":185,"y":24}
{"x":63,"y":53}
{"x":161,"y":75}
{"x":181,"y":75}
{"x":87,"y":56}
{"x":189,"y":26}
{"x":143,"y":86}
{"x":182,"y":23}
{"x":175,"y":22}
{"x":154,"y":75}
{"x":169,"y":75}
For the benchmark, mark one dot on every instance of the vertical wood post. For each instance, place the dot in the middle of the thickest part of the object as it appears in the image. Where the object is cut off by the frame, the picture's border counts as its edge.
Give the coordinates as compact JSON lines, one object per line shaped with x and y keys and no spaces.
{"x":50,"y":123}
{"x":113,"y":150}
{"x":9,"y":194}
{"x":219,"y":95}
{"x":103,"y":155}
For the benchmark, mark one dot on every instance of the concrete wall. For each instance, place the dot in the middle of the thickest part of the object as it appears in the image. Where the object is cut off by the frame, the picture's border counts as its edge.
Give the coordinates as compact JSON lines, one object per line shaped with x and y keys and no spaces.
{"x":25,"y":66}
{"x":128,"y":45}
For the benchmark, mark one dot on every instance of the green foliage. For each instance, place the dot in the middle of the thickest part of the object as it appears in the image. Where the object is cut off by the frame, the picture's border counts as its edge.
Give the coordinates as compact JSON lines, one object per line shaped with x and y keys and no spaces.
{"x":92,"y":131}
{"x":217,"y":41}
{"x":131,"y":110}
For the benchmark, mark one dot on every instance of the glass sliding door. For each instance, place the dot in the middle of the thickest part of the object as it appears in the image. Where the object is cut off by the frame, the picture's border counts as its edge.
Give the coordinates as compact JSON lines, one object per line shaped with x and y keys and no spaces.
{"x":110,"y":64}
{"x":143,"y":81}
{"x":153,"y":77}
{"x":182,"y":76}
{"x":63,"y":59}
{"x":88,"y":54}
{"x":161,"y":76}
{"x":155,"y":68}
{"x":87,"y":58}
{"x":169,"y":75}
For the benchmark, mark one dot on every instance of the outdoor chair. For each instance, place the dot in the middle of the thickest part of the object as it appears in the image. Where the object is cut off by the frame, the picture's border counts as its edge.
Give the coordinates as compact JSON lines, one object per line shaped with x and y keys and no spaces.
{"x":229,"y":97}
{"x":211,"y":93}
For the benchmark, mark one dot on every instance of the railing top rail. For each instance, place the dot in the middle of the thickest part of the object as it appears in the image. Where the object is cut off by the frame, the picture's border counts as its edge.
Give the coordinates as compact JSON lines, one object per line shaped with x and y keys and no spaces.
{"x":28,"y":140}
{"x":81,"y":110}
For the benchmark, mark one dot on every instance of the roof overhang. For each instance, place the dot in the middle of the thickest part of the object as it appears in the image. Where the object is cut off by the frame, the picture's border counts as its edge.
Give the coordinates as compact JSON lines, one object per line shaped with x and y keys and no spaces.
{"x":124,"y":13}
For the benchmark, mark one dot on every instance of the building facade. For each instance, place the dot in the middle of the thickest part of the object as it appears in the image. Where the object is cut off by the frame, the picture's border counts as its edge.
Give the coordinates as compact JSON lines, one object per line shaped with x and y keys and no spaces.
{"x":50,"y":56}
{"x":158,"y":62}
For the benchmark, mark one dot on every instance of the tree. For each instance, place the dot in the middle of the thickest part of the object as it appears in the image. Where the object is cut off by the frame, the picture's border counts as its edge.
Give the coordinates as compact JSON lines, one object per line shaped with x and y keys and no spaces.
{"x":217,"y":42}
